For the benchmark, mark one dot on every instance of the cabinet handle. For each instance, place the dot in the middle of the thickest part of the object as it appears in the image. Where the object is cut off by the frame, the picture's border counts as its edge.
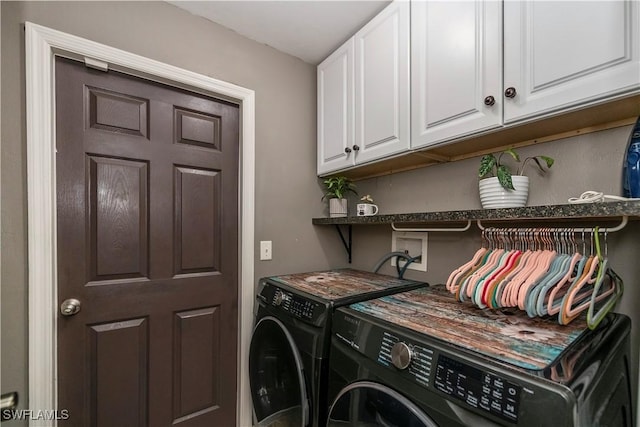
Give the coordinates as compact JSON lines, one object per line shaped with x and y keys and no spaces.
{"x":356,"y":148}
{"x":510,"y":92}
{"x":347,"y":150}
{"x":489,"y":101}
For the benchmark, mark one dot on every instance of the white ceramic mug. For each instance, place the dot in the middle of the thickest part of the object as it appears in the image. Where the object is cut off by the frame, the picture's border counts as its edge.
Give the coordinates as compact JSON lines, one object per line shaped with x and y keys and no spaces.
{"x":367,"y":209}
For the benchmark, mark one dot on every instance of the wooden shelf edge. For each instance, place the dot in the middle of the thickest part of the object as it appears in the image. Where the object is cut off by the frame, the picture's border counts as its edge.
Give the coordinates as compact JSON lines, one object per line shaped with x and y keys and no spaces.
{"x":612,"y":114}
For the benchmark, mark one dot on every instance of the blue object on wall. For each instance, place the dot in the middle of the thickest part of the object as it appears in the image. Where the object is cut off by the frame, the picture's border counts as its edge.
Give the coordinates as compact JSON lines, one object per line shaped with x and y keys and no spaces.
{"x":631,"y":167}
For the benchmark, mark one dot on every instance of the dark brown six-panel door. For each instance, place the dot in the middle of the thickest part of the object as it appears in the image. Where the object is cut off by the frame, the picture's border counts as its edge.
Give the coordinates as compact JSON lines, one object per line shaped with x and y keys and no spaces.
{"x":147,"y":237}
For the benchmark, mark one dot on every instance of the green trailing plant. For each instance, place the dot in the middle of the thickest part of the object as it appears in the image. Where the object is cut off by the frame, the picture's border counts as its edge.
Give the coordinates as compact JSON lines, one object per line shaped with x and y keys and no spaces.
{"x":337,"y":187}
{"x":490,"y":165}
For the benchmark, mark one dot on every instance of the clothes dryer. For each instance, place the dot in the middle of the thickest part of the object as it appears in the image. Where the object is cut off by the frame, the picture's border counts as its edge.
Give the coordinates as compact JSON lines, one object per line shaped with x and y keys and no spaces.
{"x":289,"y":351}
{"x":421,"y":358}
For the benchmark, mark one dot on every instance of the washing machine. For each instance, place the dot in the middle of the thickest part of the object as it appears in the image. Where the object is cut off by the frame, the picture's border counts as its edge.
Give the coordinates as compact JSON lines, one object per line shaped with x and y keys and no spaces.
{"x":289,"y":350}
{"x":421,"y":358}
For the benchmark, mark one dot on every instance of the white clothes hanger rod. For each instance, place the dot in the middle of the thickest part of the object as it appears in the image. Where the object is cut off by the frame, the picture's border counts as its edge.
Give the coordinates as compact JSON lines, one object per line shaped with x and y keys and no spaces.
{"x":623,"y":224}
{"x":465,"y":228}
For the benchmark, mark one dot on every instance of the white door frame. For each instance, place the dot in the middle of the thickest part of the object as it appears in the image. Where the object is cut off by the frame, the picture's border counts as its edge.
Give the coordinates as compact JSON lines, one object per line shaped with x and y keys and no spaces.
{"x":42,"y":45}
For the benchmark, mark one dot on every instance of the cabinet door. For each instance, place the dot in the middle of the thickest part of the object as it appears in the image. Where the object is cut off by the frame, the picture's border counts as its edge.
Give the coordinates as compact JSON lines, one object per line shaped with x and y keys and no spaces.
{"x":456,"y":63}
{"x":382,"y":84}
{"x":335,"y":110}
{"x":560,"y":55}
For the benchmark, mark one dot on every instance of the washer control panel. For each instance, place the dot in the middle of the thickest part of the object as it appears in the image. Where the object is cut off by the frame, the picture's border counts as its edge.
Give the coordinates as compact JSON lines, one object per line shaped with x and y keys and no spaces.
{"x":412,"y":358}
{"x":479,"y":389}
{"x":428,"y":367}
{"x":295,"y":305}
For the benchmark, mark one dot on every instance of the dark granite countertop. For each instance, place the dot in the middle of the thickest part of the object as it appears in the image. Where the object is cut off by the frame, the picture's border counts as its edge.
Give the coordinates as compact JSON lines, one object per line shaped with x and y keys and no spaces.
{"x":582,"y":211}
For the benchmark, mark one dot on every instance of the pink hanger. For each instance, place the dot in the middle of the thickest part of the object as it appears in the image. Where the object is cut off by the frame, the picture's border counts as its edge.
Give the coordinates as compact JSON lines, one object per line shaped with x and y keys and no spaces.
{"x":541,"y":269}
{"x":491,"y":283}
{"x":511,"y":297}
{"x":577,"y":294}
{"x":481,"y":285}
{"x":503,"y":288}
{"x":453,"y":277}
{"x":461,"y":283}
{"x":491,"y":263}
{"x":510,"y":293}
{"x":567,"y":312}
{"x":499,"y":291}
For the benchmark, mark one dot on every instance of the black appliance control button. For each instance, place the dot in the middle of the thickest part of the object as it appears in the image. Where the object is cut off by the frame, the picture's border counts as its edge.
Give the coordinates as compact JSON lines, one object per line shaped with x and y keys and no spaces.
{"x":473,"y":401}
{"x":277,"y":298}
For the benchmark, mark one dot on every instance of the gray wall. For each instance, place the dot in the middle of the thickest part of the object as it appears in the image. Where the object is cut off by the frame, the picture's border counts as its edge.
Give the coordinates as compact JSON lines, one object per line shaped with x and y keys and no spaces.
{"x":287,"y":192}
{"x":587,"y":162}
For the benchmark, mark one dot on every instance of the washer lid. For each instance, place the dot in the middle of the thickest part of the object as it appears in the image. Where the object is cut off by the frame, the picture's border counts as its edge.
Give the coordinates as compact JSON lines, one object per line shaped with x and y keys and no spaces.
{"x":343,"y":285}
{"x":366,"y":403}
{"x":276,"y":376}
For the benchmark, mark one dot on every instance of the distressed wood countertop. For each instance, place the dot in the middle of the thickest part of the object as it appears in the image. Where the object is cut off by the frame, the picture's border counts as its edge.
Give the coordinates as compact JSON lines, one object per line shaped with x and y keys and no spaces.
{"x":337,"y":284}
{"x":506,"y":335}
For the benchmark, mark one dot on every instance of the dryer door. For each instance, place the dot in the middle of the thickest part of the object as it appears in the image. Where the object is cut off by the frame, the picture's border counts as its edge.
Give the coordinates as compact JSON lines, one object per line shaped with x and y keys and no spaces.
{"x":276,"y":375}
{"x":365,"y":404}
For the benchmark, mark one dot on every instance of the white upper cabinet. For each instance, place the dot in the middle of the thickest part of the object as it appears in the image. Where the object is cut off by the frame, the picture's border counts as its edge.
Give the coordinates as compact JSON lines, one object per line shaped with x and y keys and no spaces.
{"x":382,"y":84}
{"x":426,"y":73}
{"x":335,"y":110}
{"x":559,"y":55}
{"x":456,"y":69}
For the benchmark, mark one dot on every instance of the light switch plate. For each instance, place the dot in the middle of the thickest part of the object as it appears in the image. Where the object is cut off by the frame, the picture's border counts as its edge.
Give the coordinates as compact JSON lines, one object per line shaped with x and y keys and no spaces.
{"x":265,"y":250}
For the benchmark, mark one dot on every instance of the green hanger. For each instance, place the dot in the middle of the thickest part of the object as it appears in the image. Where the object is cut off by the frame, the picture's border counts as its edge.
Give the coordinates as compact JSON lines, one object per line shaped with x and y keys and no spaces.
{"x":594,"y":320}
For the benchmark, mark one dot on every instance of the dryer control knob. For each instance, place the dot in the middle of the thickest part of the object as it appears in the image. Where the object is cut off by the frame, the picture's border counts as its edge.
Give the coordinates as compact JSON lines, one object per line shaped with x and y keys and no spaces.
{"x":401,"y":355}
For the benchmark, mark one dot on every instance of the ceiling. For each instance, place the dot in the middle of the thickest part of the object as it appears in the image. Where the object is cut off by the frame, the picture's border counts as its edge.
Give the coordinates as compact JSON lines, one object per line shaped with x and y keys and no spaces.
{"x":309,"y":30}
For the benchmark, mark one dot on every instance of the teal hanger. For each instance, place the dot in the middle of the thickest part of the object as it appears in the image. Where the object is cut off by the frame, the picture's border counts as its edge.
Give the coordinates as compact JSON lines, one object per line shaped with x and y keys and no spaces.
{"x":476,"y":296}
{"x":555,"y":305}
{"x":557,"y":270}
{"x":536,"y":301}
{"x":541,"y":298}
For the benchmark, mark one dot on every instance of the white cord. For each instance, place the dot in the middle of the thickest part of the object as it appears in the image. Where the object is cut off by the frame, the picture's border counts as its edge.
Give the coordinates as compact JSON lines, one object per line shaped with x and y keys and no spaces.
{"x":596,"y":196}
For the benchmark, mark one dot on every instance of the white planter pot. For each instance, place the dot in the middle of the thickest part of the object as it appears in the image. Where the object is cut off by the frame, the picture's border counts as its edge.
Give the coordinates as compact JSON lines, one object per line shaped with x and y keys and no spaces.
{"x":337,"y":208}
{"x":493,"y":196}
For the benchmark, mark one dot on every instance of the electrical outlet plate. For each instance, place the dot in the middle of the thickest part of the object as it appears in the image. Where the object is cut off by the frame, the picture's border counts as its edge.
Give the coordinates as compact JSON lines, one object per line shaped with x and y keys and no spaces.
{"x":412,"y":243}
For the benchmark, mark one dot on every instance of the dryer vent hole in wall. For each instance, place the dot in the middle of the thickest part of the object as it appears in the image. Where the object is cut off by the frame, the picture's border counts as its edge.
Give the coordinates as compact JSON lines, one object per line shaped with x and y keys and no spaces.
{"x":413,"y":244}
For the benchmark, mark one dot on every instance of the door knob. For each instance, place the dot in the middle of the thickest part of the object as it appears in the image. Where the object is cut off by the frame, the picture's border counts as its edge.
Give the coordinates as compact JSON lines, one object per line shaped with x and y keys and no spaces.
{"x":69,"y":307}
{"x":356,"y":148}
{"x":347,"y":150}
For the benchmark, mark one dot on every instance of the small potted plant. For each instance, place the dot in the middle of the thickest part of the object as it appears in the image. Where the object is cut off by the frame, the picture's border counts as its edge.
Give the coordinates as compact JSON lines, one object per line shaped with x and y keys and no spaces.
{"x":336,"y":189}
{"x":367,"y":198}
{"x":502,"y":189}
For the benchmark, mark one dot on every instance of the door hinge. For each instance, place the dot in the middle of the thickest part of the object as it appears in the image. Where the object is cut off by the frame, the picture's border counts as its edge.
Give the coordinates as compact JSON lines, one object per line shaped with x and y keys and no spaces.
{"x":96,"y":64}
